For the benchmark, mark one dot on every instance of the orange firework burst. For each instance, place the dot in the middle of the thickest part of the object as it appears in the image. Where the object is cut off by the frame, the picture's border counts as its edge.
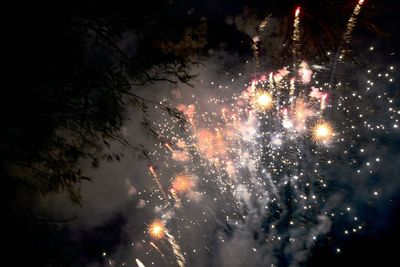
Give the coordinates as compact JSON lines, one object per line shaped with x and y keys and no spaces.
{"x":211,"y":143}
{"x":157,"y":229}
{"x":263,"y":101}
{"x":322,"y":132}
{"x":180,"y":156}
{"x":182,"y":183}
{"x":302,"y":111}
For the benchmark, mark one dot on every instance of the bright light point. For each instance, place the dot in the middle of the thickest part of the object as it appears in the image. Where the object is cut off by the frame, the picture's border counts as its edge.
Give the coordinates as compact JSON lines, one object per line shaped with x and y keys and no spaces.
{"x":377,"y":159}
{"x":157,"y":229}
{"x":322,"y":132}
{"x":375,"y":193}
{"x":263,"y":101}
{"x":287,"y":124}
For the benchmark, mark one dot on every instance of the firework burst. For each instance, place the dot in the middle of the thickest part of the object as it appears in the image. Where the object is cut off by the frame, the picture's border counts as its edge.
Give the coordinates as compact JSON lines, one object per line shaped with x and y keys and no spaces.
{"x":182,"y":183}
{"x":157,"y":229}
{"x":263,"y":101}
{"x":322,"y":132}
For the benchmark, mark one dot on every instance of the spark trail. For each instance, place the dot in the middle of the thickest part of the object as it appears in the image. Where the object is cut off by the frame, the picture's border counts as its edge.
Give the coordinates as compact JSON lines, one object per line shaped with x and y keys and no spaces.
{"x":296,"y":33}
{"x":350,"y":26}
{"x":343,"y":47}
{"x":180,"y":260}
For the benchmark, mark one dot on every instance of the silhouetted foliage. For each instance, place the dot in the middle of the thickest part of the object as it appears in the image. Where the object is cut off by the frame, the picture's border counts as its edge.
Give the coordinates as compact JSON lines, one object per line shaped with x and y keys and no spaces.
{"x":81,"y":73}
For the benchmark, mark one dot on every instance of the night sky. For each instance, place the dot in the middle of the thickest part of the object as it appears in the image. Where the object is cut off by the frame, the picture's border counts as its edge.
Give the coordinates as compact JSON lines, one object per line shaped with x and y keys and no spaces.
{"x":202,"y":133}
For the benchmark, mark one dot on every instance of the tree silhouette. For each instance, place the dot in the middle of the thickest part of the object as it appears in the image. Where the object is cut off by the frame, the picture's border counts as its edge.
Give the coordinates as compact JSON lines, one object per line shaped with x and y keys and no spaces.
{"x":81,"y":72}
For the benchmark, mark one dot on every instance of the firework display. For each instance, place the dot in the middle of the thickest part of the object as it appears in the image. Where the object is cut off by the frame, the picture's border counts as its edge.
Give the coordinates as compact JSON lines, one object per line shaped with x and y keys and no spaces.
{"x":259,"y":163}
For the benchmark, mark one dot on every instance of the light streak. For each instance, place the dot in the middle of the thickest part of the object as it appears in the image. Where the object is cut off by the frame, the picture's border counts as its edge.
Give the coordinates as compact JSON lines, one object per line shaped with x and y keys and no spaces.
{"x":139,"y":263}
{"x":351,"y":23}
{"x":157,"y":181}
{"x":157,"y":249}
